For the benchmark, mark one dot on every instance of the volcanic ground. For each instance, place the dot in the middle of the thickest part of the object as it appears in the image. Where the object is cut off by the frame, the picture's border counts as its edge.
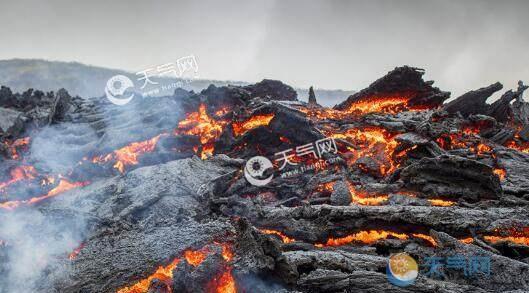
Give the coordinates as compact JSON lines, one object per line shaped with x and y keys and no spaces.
{"x":152,"y":196}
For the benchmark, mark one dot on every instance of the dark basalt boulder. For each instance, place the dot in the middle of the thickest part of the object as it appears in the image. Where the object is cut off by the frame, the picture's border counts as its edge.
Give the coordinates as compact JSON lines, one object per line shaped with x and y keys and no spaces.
{"x":452,"y":177}
{"x":272,"y":90}
{"x":312,"y":97}
{"x":404,"y":80}
{"x":473,"y":102}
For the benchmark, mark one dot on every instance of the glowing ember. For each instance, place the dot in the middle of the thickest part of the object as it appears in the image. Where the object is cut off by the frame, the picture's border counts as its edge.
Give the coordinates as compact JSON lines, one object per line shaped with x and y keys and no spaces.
{"x":327,"y":187}
{"x":227,"y":253}
{"x":515,"y":235}
{"x":163,"y":273}
{"x":467,"y":240}
{"x":425,"y":237}
{"x":515,"y":239}
{"x":225,"y":283}
{"x":18,"y":143}
{"x":195,"y":257}
{"x":366,"y":237}
{"x":76,"y":251}
{"x":19,"y":173}
{"x":63,"y":186}
{"x":201,"y":125}
{"x":373,"y":142}
{"x":240,"y":128}
{"x":441,"y":203}
{"x":364,"y":198}
{"x":388,"y":104}
{"x":500,"y":172}
{"x":129,"y":154}
{"x":283,"y":237}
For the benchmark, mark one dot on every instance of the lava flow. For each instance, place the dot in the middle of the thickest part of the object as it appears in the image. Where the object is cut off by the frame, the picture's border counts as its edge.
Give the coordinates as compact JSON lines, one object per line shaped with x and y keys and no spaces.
{"x":388,"y":104}
{"x":18,"y":143}
{"x":163,"y":273}
{"x":240,"y":128}
{"x":518,"y":236}
{"x":19,"y":173}
{"x":202,"y":125}
{"x":129,"y":154}
{"x":372,"y":142}
{"x":372,"y":236}
{"x":222,"y":284}
{"x":364,"y":198}
{"x":63,"y":186}
{"x":75,"y":252}
{"x":283,"y":237}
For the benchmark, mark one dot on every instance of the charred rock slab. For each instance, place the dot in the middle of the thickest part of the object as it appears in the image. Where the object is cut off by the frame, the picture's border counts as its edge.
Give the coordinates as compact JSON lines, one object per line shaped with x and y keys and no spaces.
{"x":452,"y":176}
{"x":473,"y":102}
{"x":272,"y":90}
{"x":404,"y":80}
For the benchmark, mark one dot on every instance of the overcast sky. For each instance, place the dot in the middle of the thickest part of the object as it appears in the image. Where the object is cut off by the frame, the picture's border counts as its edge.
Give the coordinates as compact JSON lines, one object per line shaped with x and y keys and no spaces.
{"x":330,"y":44}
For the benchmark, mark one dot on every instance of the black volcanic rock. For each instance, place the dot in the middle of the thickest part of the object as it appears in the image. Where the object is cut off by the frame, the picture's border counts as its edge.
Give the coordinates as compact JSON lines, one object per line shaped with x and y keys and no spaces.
{"x":405,"y":80}
{"x":272,"y":90}
{"x":452,"y":176}
{"x":312,"y":97}
{"x":473,"y":102}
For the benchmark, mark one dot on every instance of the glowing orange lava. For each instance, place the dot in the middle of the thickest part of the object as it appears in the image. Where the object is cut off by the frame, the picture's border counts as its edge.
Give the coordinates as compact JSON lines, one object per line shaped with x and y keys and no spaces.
{"x":373,"y":142}
{"x":75,"y":252}
{"x":500,"y":172}
{"x":19,"y":173}
{"x":283,"y":237}
{"x":196,"y":257}
{"x":223,"y":283}
{"x":240,"y":128}
{"x":364,"y":198}
{"x":163,"y":273}
{"x":63,"y":186}
{"x":129,"y":154}
{"x":206,"y":128}
{"x":366,"y":237}
{"x":441,"y":203}
{"x":428,"y":238}
{"x":386,"y":103}
{"x":18,"y":143}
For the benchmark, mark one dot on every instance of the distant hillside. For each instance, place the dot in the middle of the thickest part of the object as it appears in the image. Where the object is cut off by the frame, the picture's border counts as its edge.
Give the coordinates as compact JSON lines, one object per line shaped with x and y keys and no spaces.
{"x":89,"y":81}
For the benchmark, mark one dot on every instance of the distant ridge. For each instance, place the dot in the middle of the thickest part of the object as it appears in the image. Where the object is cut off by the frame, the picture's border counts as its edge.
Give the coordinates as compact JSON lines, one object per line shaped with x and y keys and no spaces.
{"x":89,"y":81}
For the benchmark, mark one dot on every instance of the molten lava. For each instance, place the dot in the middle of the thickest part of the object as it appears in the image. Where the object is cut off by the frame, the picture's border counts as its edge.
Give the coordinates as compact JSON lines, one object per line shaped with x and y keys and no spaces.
{"x":12,"y":147}
{"x":514,"y":235}
{"x":225,"y":283}
{"x":387,"y":104}
{"x":500,"y":172}
{"x":364,"y":198}
{"x":283,"y":237}
{"x":373,"y":142}
{"x":372,"y":236}
{"x":366,"y":237}
{"x":240,"y":128}
{"x":441,"y":203}
{"x":202,"y":125}
{"x":196,"y":257}
{"x":75,"y":252}
{"x":129,"y":154}
{"x":19,"y":173}
{"x":163,"y":273}
{"x":63,"y":186}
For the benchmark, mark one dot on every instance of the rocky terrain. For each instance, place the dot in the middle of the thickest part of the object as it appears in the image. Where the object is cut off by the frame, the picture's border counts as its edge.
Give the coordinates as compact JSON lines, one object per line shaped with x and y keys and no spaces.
{"x":155,"y":196}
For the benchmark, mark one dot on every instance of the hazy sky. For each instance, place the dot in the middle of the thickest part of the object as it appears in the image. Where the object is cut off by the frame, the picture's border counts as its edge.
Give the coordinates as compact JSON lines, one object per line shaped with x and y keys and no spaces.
{"x":330,"y":44}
